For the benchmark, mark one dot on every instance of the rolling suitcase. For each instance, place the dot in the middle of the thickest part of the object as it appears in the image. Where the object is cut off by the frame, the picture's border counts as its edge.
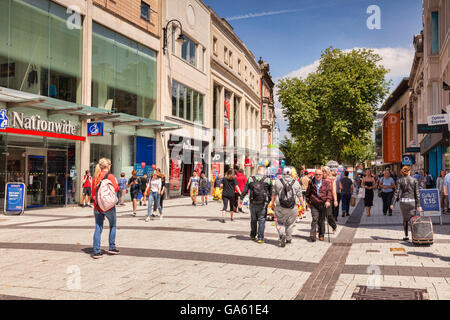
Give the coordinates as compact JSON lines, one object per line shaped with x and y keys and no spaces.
{"x":422,"y":230}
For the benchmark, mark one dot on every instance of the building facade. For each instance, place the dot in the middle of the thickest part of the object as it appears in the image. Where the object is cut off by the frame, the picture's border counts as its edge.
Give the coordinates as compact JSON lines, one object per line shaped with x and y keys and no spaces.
{"x":268,"y":148}
{"x":236,"y":100}
{"x":67,"y":66}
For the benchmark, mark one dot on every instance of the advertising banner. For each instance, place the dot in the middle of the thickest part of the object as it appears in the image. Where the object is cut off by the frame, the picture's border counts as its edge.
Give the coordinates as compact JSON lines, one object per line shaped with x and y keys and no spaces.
{"x":15,"y":197}
{"x":391,"y":138}
{"x":429,"y":201}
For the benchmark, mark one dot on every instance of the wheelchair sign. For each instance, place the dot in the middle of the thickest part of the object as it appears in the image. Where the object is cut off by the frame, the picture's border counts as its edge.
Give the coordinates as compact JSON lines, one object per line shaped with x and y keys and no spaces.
{"x":4,"y":121}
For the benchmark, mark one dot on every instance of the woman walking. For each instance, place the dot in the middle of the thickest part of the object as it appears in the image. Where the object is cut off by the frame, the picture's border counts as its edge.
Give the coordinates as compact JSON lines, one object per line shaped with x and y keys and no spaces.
{"x":328,"y":177}
{"x":229,"y":184}
{"x":102,"y":171}
{"x":387,"y":186}
{"x":133,"y":184}
{"x":407,"y":190}
{"x":154,"y":187}
{"x":87,"y":189}
{"x":369,"y":184}
{"x":122,"y":189}
{"x":440,"y":187}
{"x":163,"y":190}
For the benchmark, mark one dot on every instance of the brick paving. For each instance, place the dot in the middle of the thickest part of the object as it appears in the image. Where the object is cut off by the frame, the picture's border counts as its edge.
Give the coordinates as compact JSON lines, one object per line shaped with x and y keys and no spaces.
{"x":190,"y":255}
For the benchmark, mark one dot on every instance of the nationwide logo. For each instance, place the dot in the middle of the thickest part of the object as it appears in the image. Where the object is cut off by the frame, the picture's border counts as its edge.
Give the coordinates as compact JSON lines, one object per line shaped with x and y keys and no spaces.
{"x":4,"y":121}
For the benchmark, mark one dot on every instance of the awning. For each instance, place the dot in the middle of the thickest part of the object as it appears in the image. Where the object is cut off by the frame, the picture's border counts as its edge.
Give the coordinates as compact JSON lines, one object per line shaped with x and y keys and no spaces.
{"x":14,"y":99}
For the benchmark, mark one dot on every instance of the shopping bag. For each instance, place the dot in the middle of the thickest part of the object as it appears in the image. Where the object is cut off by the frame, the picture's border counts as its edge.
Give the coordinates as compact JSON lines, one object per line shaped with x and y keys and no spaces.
{"x":352,"y":201}
{"x":361,"y":193}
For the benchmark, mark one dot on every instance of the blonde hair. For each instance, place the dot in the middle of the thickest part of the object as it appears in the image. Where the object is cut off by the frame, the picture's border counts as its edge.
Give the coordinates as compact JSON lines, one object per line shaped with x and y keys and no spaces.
{"x":103,"y":163}
{"x":405,"y":170}
{"x":334,"y":173}
{"x":326,"y":170}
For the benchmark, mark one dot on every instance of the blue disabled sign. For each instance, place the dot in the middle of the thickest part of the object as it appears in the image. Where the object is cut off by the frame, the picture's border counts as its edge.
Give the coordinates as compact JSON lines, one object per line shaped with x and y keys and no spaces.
{"x":430,"y":203}
{"x":15,"y":198}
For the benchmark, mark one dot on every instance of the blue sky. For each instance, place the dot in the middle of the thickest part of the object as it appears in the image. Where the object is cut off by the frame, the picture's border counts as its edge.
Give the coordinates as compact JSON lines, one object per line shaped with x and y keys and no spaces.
{"x":292,"y":34}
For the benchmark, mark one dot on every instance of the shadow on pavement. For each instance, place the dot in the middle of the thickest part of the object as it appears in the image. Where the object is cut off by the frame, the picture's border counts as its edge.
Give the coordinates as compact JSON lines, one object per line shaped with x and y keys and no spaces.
{"x":429,"y":255}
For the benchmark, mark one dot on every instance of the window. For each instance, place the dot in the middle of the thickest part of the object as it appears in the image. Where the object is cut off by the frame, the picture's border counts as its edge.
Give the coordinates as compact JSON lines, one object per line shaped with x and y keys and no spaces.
{"x":239,"y":66}
{"x":123,"y":74}
{"x":264,"y":108}
{"x":435,"y":105}
{"x":230,"y":59}
{"x":202,"y":59}
{"x":188,"y":52}
{"x":246,"y":73}
{"x":215,"y":45}
{"x":225,"y":55}
{"x":187,"y":103}
{"x":435,"y":32}
{"x":145,"y":11}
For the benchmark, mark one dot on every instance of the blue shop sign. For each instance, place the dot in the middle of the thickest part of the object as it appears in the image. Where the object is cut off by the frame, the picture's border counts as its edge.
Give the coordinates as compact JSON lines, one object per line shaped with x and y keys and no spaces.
{"x":429,"y":201}
{"x":408,"y":160}
{"x":95,"y":129}
{"x":15,"y":198}
{"x":142,"y":168}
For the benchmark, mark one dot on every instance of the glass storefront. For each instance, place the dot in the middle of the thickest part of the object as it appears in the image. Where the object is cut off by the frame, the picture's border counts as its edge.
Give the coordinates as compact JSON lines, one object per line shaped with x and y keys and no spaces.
{"x":38,"y":52}
{"x":123,"y":74}
{"x":46,"y":166}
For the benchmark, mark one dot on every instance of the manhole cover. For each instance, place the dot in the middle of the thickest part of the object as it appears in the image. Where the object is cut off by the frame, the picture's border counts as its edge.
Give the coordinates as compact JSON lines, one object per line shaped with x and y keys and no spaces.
{"x":386,"y":293}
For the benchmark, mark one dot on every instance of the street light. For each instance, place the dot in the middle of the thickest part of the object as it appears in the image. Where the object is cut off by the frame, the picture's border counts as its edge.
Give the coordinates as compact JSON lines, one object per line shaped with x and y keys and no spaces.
{"x":181,"y":39}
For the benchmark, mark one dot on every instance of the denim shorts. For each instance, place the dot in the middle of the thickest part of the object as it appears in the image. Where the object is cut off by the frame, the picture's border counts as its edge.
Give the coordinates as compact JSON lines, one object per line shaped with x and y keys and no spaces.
{"x":203,"y":192}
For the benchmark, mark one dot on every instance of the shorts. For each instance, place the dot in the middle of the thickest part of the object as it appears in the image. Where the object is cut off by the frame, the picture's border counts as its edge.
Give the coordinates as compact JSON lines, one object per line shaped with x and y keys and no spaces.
{"x":194,"y":192}
{"x":227,"y":200}
{"x":134,"y":195}
{"x":203,"y":192}
{"x":87,"y":191}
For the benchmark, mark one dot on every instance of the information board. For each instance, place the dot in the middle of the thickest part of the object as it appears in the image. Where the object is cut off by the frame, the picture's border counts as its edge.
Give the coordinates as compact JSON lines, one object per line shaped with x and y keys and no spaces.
{"x":15,"y":197}
{"x":430,"y":203}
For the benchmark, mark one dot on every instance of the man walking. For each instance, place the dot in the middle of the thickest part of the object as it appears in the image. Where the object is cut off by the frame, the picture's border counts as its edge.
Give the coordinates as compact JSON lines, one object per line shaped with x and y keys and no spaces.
{"x":286,"y":191}
{"x":429,"y":181}
{"x":319,"y":196}
{"x":259,"y":187}
{"x":346,"y":190}
{"x":304,"y":182}
{"x":193,"y":184}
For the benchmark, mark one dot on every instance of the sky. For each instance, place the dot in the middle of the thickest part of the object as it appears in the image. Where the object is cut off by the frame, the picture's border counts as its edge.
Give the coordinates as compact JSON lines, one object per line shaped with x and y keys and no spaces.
{"x":292,"y":35}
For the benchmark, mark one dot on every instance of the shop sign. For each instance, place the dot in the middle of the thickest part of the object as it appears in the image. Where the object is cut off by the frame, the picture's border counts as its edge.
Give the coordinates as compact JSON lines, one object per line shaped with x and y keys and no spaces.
{"x":437,"y":120}
{"x":248,"y":163}
{"x":430,"y":203}
{"x":425,"y":128}
{"x":413,"y":150}
{"x":391,"y":138}
{"x":15,"y":197}
{"x":34,"y":125}
{"x":142,"y":168}
{"x":95,"y":129}
{"x":217,"y":157}
{"x":408,"y":160}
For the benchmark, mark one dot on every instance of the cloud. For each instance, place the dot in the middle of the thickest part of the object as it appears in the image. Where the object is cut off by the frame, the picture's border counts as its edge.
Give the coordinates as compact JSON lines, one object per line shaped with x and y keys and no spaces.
{"x":261,"y":14}
{"x":397,"y":60}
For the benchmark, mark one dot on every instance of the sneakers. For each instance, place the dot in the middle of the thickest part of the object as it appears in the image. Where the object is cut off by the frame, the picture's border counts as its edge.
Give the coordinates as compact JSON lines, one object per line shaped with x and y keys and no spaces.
{"x":223,"y":220}
{"x":313,"y":239}
{"x":288,"y":241}
{"x":321,"y":239}
{"x":160,"y":217}
{"x":260,"y":241}
{"x":97,"y":255}
{"x":283,"y":241}
{"x":253,"y":238}
{"x":113,"y":252}
{"x":134,"y":214}
{"x":406,"y":239}
{"x":147,"y":219}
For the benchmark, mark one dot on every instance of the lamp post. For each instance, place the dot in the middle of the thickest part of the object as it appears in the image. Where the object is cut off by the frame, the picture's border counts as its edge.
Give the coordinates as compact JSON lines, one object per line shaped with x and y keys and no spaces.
{"x":181,"y":39}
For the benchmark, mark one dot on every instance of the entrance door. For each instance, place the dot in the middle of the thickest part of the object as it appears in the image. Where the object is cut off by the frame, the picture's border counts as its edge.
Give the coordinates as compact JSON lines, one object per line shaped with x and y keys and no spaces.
{"x":36,"y":180}
{"x":56,"y":177}
{"x":187,"y":174}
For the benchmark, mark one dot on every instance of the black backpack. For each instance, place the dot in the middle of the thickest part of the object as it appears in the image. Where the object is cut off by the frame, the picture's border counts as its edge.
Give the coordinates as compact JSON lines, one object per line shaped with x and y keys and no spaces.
{"x":287,"y":198}
{"x":258,"y":194}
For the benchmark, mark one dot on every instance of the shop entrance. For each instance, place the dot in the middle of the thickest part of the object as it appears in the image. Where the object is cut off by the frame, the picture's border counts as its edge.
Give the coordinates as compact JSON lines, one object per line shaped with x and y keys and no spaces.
{"x":44,"y":172}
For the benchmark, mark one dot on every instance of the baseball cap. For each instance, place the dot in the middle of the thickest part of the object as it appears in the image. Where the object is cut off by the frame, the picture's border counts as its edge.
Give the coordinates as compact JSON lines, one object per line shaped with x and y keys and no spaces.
{"x":287,"y":171}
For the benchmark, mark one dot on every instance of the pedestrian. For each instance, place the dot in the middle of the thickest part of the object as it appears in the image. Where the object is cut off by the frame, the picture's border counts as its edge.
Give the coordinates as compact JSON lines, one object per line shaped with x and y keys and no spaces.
{"x":133,"y":184}
{"x":153,"y":189}
{"x":143,"y":181}
{"x":217,"y":190}
{"x":429,"y":181}
{"x":87,"y":190}
{"x":204,"y":186}
{"x":368,"y":183}
{"x":387,"y":186}
{"x":319,"y":196}
{"x":304,"y":181}
{"x":407,"y":190}
{"x":122,"y":188}
{"x":285,"y":193}
{"x":193,"y":183}
{"x":417,"y":176}
{"x":260,"y":192}
{"x":242,"y":182}
{"x":163,"y":190}
{"x":440,"y":187}
{"x":330,"y":218}
{"x":357,"y":182}
{"x":228,"y":185}
{"x":446,"y":188}
{"x":102,"y":171}
{"x":337,"y":179}
{"x":346,"y":189}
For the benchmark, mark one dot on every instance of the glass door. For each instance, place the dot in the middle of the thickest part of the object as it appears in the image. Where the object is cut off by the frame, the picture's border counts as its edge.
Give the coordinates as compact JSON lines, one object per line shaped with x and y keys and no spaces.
{"x":56,"y":177}
{"x":36,"y":180}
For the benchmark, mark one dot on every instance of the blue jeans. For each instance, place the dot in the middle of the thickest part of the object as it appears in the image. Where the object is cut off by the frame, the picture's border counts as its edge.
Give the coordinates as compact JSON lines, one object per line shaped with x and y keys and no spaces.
{"x":99,"y":219}
{"x":345,"y":197}
{"x":258,"y":220}
{"x":154,"y":196}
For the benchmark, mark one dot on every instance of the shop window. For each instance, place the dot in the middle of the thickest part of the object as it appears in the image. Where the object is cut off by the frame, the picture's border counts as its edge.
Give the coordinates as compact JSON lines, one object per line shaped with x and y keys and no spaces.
{"x":123,"y":74}
{"x":44,"y":55}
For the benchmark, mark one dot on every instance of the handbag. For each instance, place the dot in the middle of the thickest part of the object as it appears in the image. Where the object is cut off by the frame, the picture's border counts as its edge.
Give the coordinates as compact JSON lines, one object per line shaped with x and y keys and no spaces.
{"x":352,"y":201}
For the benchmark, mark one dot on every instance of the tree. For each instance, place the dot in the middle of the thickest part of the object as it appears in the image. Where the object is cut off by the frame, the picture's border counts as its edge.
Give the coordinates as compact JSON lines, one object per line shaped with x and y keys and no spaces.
{"x":334,"y":105}
{"x":357,"y":151}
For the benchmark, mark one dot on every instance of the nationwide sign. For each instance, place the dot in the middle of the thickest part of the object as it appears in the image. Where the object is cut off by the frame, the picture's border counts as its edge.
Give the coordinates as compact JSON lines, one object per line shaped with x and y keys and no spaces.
{"x":17,"y":123}
{"x":438,"y":120}
{"x":425,"y":129}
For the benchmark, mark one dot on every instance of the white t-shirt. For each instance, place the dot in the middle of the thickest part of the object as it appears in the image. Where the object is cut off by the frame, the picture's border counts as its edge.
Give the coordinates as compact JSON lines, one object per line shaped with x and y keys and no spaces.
{"x":155,"y":185}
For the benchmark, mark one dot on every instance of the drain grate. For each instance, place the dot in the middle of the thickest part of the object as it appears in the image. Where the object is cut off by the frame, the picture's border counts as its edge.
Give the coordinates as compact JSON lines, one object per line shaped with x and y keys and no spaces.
{"x":386,"y":293}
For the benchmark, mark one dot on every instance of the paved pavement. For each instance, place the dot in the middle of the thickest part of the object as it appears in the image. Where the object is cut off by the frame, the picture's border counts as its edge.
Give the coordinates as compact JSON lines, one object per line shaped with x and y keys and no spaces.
{"x":45,"y":254}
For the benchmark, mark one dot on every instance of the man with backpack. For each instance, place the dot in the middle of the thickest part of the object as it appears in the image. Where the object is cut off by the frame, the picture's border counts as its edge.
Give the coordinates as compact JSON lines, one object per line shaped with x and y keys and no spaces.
{"x":319,"y":195}
{"x":286,"y":191}
{"x":259,"y":187}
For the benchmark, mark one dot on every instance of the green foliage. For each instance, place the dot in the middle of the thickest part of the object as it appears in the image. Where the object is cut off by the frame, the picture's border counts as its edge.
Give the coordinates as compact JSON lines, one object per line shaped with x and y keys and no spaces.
{"x":358,"y":150}
{"x":335,"y":105}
